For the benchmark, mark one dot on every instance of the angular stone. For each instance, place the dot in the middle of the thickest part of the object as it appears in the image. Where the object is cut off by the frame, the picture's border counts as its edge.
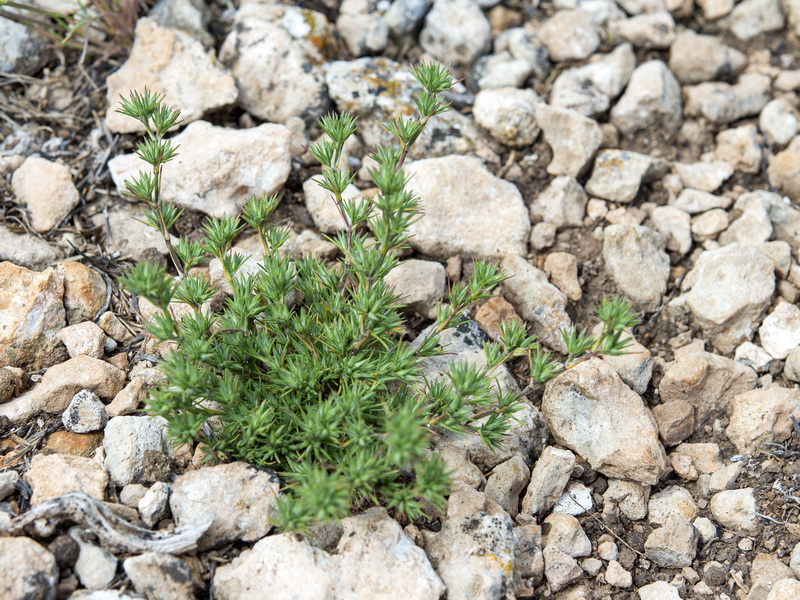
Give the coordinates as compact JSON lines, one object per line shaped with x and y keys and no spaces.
{"x":85,"y":413}
{"x":573,"y":138}
{"x":724,"y":103}
{"x":727,"y":291}
{"x":536,"y":300}
{"x":160,"y":576}
{"x":591,"y":398}
{"x":548,"y":479}
{"x":27,"y":570}
{"x":61,"y":382}
{"x":54,"y":475}
{"x":562,"y":203}
{"x":696,"y":58}
{"x":456,"y":32}
{"x":467,"y":210}
{"x":128,"y":441}
{"x":31,"y":316}
{"x":736,"y":510}
{"x":84,"y":338}
{"x":474,"y":556}
{"x":172,"y":63}
{"x":245,"y":162}
{"x":420,"y":284}
{"x":652,"y":101}
{"x":634,"y":256}
{"x":236,"y":498}
{"x":674,"y":545}
{"x":508,"y":114}
{"x":26,"y":250}
{"x":569,"y":35}
{"x":618,"y":174}
{"x":275,"y":53}
{"x":46,"y":189}
{"x":762,"y":416}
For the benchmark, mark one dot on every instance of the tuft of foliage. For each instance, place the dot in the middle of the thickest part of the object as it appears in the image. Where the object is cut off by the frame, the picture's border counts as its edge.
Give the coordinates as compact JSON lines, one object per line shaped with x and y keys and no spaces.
{"x":306,"y":370}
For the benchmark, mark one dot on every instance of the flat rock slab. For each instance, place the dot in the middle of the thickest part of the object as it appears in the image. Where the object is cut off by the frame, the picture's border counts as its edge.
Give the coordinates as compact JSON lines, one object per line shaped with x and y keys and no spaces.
{"x":467,"y":210}
{"x":244,"y":162}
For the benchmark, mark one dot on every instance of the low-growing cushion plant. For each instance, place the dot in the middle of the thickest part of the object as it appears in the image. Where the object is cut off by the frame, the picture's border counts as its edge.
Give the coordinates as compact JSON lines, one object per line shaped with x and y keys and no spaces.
{"x":306,"y":368}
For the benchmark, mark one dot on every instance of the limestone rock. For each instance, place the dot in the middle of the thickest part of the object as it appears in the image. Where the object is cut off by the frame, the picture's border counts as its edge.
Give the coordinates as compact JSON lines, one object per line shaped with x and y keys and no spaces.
{"x":160,"y":576}
{"x":61,"y":382}
{"x":591,"y":398}
{"x":85,"y":413}
{"x":236,"y":498}
{"x":634,"y":256}
{"x":724,"y":103}
{"x":84,"y":338}
{"x":726,"y":292}
{"x":456,"y":32}
{"x":172,"y":63}
{"x":536,"y":300}
{"x":467,"y":209}
{"x":46,"y":189}
{"x":573,"y":138}
{"x":275,"y":53}
{"x":27,"y":570}
{"x":762,"y":415}
{"x":31,"y":316}
{"x":54,"y":475}
{"x":652,"y":102}
{"x":130,"y":443}
{"x":245,"y":162}
{"x":618,"y":174}
{"x":508,"y":114}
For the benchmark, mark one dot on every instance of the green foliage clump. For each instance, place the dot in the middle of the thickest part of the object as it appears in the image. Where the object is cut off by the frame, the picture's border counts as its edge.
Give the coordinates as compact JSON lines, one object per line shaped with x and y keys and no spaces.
{"x":306,"y":370}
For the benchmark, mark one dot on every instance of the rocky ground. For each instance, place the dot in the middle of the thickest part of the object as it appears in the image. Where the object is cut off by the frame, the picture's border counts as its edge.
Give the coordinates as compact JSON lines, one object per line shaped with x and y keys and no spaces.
{"x":647,"y":148}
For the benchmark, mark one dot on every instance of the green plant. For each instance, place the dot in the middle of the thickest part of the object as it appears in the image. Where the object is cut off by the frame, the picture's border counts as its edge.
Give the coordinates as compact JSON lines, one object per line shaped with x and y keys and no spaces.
{"x":305,"y":370}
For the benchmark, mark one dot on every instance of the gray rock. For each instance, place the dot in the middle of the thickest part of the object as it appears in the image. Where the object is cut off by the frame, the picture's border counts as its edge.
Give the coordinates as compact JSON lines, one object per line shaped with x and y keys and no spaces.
{"x":652,"y":101}
{"x":617,"y":576}
{"x":654,"y":30}
{"x":673,"y":502}
{"x":634,"y":256}
{"x":762,"y":416}
{"x":739,"y":147}
{"x":629,"y":497}
{"x":508,"y":114}
{"x":321,"y":205}
{"x":474,"y":556}
{"x":674,"y":225}
{"x":618,"y":174}
{"x":565,"y":533}
{"x":752,"y":17}
{"x":524,"y":46}
{"x":364,"y":34}
{"x":573,"y":138}
{"x":726,"y":293}
{"x":85,"y":413}
{"x":548,"y":479}
{"x":153,"y":504}
{"x":588,"y":89}
{"x":27,"y":570}
{"x":191,"y":16}
{"x":736,"y":510}
{"x":724,"y":103}
{"x":783,"y":170}
{"x":404,"y":16}
{"x":576,"y":500}
{"x":777,"y":122}
{"x":456,"y":32}
{"x":706,"y":381}
{"x":290,"y":566}
{"x":467,"y":210}
{"x":753,"y":225}
{"x":560,"y":569}
{"x":236,"y":498}
{"x":130,"y":444}
{"x":569,"y":35}
{"x":500,"y":70}
{"x":709,"y":225}
{"x":536,"y":300}
{"x":696,"y":201}
{"x":674,"y":545}
{"x":703,"y":176}
{"x":26,"y":250}
{"x":84,"y":338}
{"x":8,"y":483}
{"x":590,"y":398}
{"x":714,"y":9}
{"x":257,"y":161}
{"x":95,"y":568}
{"x":635,"y":366}
{"x":528,"y":559}
{"x":562,"y":203}
{"x":562,"y":269}
{"x":506,"y":482}
{"x":753,"y":356}
{"x":160,"y":576}
{"x":377,"y":560}
{"x":659,"y":590}
{"x":420,"y":284}
{"x":22,"y":50}
{"x":175,"y":64}
{"x":272,"y":54}
{"x":45,"y":188}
